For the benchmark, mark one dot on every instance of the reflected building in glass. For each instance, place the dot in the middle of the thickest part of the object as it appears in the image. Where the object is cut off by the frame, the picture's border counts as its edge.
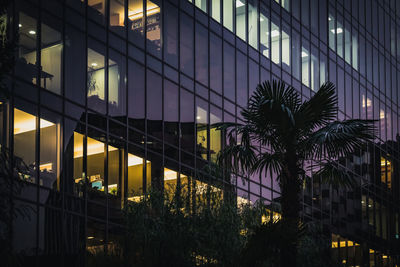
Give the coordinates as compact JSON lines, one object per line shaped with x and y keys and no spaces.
{"x":112,"y":97}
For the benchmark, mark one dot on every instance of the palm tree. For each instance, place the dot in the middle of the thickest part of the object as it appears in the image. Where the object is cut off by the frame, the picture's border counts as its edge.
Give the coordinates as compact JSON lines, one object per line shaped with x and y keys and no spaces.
{"x":296,"y":134}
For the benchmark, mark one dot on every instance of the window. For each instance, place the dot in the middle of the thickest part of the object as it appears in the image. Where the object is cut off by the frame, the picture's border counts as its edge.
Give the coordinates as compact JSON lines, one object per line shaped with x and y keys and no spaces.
{"x":275,"y":34}
{"x":153,"y":34}
{"x":116,"y":84}
{"x":117,"y":16}
{"x":26,"y":62}
{"x":201,"y":53}
{"x":305,"y":63}
{"x":201,"y":128}
{"x":95,"y":164}
{"x":171,"y":112}
{"x":355,"y":49}
{"x":241,"y":79}
{"x":339,"y":36}
{"x":187,"y":120}
{"x":25,"y":125}
{"x":136,"y":168}
{"x":136,"y":94}
{"x":229,"y":71}
{"x":96,"y":10}
{"x":215,"y":135}
{"x":314,"y":69}
{"x":171,"y":35}
{"x":332,"y":32}
{"x":253,"y":23}
{"x":215,"y":63}
{"x":202,"y":4}
{"x":228,"y":14}
{"x":136,"y":22}
{"x":296,"y":54}
{"x":241,"y":19}
{"x":51,"y":55}
{"x":154,"y":104}
{"x":215,"y":9}
{"x":347,"y":42}
{"x":285,"y":47}
{"x":96,"y":76}
{"x":75,"y":65}
{"x":50,"y":157}
{"x":264,"y":30}
{"x":186,"y":47}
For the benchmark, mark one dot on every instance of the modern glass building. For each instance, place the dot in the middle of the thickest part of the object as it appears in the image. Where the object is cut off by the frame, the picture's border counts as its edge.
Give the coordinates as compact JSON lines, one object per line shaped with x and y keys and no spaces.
{"x":123,"y":94}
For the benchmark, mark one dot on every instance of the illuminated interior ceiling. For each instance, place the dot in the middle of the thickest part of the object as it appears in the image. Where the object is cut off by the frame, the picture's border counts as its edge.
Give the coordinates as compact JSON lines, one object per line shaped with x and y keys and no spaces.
{"x":135,"y":160}
{"x":135,"y":10}
{"x":93,"y":147}
{"x":170,"y":174}
{"x":96,"y":60}
{"x":25,"y":122}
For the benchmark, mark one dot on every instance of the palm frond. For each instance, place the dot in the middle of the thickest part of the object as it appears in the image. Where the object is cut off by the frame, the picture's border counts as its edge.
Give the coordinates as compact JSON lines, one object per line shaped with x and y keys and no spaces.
{"x":338,"y":139}
{"x":268,"y":161}
{"x":319,"y":110}
{"x":335,"y":175}
{"x":272,"y":104}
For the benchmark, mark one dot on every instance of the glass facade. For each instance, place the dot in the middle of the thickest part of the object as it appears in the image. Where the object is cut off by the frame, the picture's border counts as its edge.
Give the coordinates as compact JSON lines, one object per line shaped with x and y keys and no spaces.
{"x":112,"y":97}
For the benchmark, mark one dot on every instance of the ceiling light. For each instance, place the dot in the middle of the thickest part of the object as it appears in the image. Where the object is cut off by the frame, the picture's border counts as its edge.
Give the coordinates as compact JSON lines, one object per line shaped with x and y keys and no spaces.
{"x":32,"y":32}
{"x":304,"y":54}
{"x":329,"y":18}
{"x":20,"y":25}
{"x":338,"y":30}
{"x":94,"y":64}
{"x":198,"y":117}
{"x":274,"y":33}
{"x":261,"y":19}
{"x":239,"y":3}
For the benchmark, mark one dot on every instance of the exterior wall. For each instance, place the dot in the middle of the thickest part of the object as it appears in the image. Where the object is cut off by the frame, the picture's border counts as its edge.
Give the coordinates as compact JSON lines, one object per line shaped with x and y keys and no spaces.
{"x":127,"y":99}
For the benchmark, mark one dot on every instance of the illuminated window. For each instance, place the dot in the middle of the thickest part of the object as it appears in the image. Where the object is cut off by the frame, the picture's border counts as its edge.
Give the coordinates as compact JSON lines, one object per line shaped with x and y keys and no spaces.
{"x":305,"y":63}
{"x":95,"y":164}
{"x":241,"y":19}
{"x":201,"y":128}
{"x":253,"y":23}
{"x":136,"y":169}
{"x":26,"y":63}
{"x":228,"y":13}
{"x":153,"y":25}
{"x":215,"y":7}
{"x":386,"y":172}
{"x":96,"y":77}
{"x":117,"y":14}
{"x":202,"y":4}
{"x":275,"y":36}
{"x":97,"y":10}
{"x":136,"y":22}
{"x":25,"y":140}
{"x":264,"y":30}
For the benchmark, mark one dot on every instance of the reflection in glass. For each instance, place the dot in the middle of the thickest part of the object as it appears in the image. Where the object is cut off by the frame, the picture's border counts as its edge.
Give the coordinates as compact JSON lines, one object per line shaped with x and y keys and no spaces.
{"x":386,"y":172}
{"x":25,"y":125}
{"x":296,"y":54}
{"x":136,"y":22}
{"x":201,"y":127}
{"x":332,"y":32}
{"x":187,"y":121}
{"x":215,"y":9}
{"x":26,"y":63}
{"x":215,"y":63}
{"x":50,"y":59}
{"x":339,"y":36}
{"x":154,"y":104}
{"x":201,"y":54}
{"x":285,"y":47}
{"x":171,"y":35}
{"x":253,"y":23}
{"x":171,"y":112}
{"x":241,"y":19}
{"x":264,"y":30}
{"x":305,"y":59}
{"x":229,"y":71}
{"x":79,"y":180}
{"x":186,"y":45}
{"x":202,"y":4}
{"x":136,"y":94}
{"x":153,"y":24}
{"x":215,"y":135}
{"x":117,"y":15}
{"x":96,"y":77}
{"x":228,"y":14}
{"x":50,"y":156}
{"x":96,"y":10}
{"x":95,"y":164}
{"x":116,"y":84}
{"x":116,"y":176}
{"x":275,"y":47}
{"x":347,"y":43}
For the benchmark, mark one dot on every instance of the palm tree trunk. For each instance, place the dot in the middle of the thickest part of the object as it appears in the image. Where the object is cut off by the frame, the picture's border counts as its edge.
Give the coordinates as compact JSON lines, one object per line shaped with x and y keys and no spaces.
{"x":290,"y":204}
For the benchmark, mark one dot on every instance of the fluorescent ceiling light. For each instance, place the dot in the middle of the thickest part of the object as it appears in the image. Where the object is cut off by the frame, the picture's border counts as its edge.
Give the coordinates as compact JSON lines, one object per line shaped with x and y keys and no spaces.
{"x":338,"y":30}
{"x":239,"y":3}
{"x":304,"y":54}
{"x":32,"y":32}
{"x":94,"y":64}
{"x":20,"y":25}
{"x":274,"y":33}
